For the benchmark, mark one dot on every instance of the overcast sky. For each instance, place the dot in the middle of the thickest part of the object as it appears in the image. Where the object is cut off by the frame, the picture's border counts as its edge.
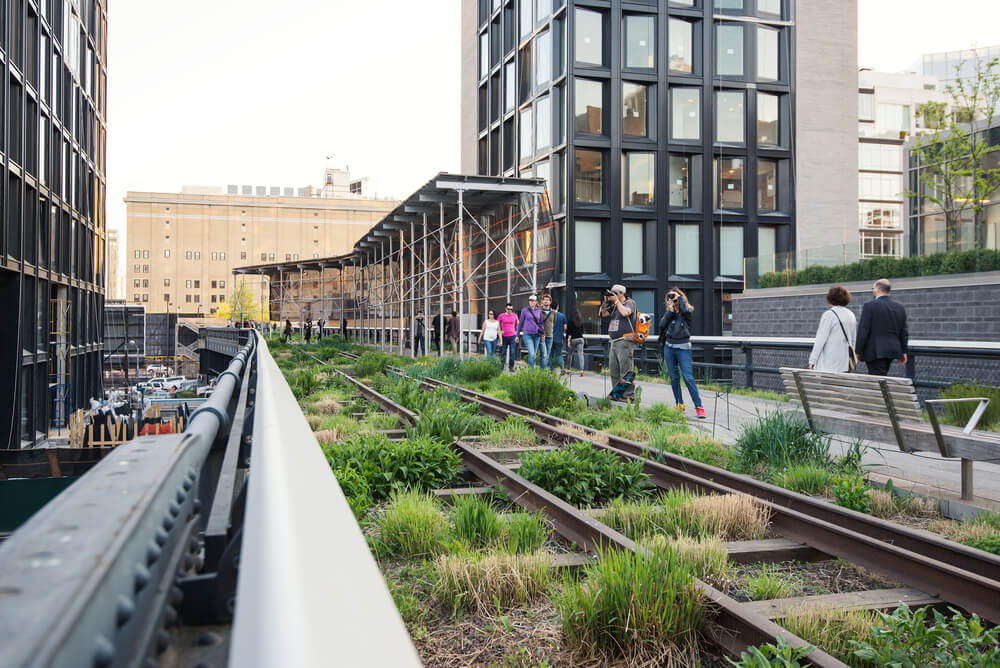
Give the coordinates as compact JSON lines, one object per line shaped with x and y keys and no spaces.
{"x":212,"y":92}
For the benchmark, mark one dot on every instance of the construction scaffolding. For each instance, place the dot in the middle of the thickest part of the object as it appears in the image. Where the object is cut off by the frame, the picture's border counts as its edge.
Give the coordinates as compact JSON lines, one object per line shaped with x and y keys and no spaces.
{"x":462,"y":244}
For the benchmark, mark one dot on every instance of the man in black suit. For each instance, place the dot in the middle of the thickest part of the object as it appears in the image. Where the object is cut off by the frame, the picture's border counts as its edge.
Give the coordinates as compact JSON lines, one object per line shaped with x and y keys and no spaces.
{"x":882,"y":334}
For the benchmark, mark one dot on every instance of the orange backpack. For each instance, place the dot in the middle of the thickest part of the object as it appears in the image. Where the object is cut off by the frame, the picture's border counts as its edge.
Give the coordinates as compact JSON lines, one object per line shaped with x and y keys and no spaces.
{"x":641,"y":331}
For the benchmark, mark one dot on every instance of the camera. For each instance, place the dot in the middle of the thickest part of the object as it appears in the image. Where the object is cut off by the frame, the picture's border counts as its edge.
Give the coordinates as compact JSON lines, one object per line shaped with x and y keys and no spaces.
{"x":672,"y":296}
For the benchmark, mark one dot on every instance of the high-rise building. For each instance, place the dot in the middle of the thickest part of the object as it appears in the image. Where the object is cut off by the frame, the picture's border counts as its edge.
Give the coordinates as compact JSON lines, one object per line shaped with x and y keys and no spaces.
{"x":53,"y":273}
{"x":182,"y":247}
{"x":949,"y":66}
{"x":676,"y":138}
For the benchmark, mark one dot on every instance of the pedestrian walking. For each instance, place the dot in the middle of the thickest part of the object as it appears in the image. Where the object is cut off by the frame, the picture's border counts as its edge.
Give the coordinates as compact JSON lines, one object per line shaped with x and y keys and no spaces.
{"x":343,"y":329}
{"x":882,"y":333}
{"x":558,"y":339}
{"x":319,"y":329}
{"x":833,"y":349}
{"x":545,"y":340}
{"x":288,"y":330}
{"x":508,"y":333}
{"x":574,"y":332}
{"x":489,"y":334}
{"x":454,"y":330}
{"x":531,"y":328}
{"x":438,"y":333}
{"x":309,"y":330}
{"x":675,"y":329}
{"x":622,"y":312}
{"x":419,"y":333}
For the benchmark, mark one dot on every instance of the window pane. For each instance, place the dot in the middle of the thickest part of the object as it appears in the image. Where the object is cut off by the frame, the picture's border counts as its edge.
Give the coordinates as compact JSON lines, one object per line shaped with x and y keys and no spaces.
{"x":525,"y":12}
{"x":891,"y":119}
{"x":638,"y":183}
{"x":767,"y":119}
{"x":588,"y":247}
{"x":767,"y":246}
{"x":680,"y":42}
{"x":543,"y":8}
{"x":731,"y":251}
{"x":770,"y":7}
{"x":589,"y":106}
{"x":589,"y":177}
{"x":544,"y":171}
{"x":526,"y":148}
{"x":687,"y":253}
{"x":634,"y":112}
{"x":729,"y":4}
{"x":767,"y":54}
{"x":633,"y":249}
{"x":640,"y":38}
{"x":680,"y":175}
{"x":543,"y":123}
{"x":729,"y":183}
{"x":729,"y":117}
{"x":589,"y":45}
{"x":685,"y":111}
{"x":510,"y":86}
{"x":729,"y":50}
{"x":543,"y":58}
{"x":866,"y":107}
{"x":484,"y":55}
{"x":767,"y":185}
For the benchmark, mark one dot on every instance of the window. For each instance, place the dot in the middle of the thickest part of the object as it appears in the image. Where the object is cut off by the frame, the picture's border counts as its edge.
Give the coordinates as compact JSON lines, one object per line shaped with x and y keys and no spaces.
{"x":145,"y":268}
{"x":767,"y":119}
{"x":589,"y":106}
{"x":525,"y":13}
{"x":222,"y":298}
{"x":880,"y":157}
{"x":510,"y":86}
{"x":768,"y":61}
{"x":166,"y":297}
{"x":136,"y":268}
{"x":543,"y":123}
{"x":685,"y":113}
{"x":136,"y":283}
{"x":138,"y":254}
{"x":215,"y":255}
{"x":633,"y":248}
{"x":197,"y":299}
{"x":767,"y":248}
{"x":166,"y":282}
{"x":243,"y":255}
{"x":635,"y":112}
{"x":526,"y":148}
{"x":197,"y":255}
{"x":866,"y":106}
{"x":589,"y":37}
{"x":484,"y":55}
{"x":187,"y":284}
{"x":542,"y":9}
{"x":879,"y":186}
{"x":222,"y":255}
{"x":729,"y":50}
{"x":640,"y":41}
{"x":288,"y":257}
{"x":892,"y":120}
{"x":589,"y":177}
{"x":145,"y":282}
{"x":729,"y":4}
{"x":145,"y":255}
{"x":270,"y":257}
{"x":166,"y":252}
{"x":767,"y":185}
{"x":543,"y":58}
{"x":222,"y":285}
{"x":731,"y":251}
{"x":680,"y":178}
{"x":729,"y":183}
{"x":638,"y":173}
{"x":588,"y":247}
{"x":687,"y":253}
{"x":769,"y":7}
{"x":214,"y":284}
{"x":681,"y":43}
{"x":263,"y":257}
{"x":145,"y":296}
{"x":187,"y":298}
{"x":729,"y":117}
{"x":213,"y":298}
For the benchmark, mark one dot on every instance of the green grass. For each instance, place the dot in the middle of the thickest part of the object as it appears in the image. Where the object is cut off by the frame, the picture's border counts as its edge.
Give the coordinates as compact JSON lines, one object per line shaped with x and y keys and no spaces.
{"x":696,"y":446}
{"x":679,"y":513}
{"x":371,"y":363}
{"x":449,"y":421}
{"x":413,"y":525}
{"x":661,"y":413}
{"x":769,"y":584}
{"x":959,"y":413}
{"x":475,"y":522}
{"x":537,"y":389}
{"x":513,"y":431}
{"x":805,"y":479}
{"x":489,"y":583}
{"x":584,"y":476}
{"x":706,"y":556}
{"x":777,"y":441}
{"x":524,"y":533}
{"x":743,"y":391}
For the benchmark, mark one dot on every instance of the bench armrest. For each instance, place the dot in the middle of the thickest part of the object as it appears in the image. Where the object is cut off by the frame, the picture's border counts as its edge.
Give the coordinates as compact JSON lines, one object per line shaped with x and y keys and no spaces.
{"x":976,"y":415}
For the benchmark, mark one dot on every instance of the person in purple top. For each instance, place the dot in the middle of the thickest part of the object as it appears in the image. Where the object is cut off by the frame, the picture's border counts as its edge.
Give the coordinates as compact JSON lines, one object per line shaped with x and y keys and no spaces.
{"x":531,"y":324}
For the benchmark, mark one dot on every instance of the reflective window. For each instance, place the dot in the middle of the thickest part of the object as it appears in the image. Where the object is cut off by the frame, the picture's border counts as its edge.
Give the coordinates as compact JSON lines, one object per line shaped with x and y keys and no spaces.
{"x":767,"y":54}
{"x":589,"y":36}
{"x":589,"y":106}
{"x":680,"y":179}
{"x":638,"y":179}
{"x":543,"y":171}
{"x":525,"y":14}
{"x":640,"y":41}
{"x":633,"y":249}
{"x":728,"y":4}
{"x":879,"y":186}
{"x":635,"y":109}
{"x":589,"y":176}
{"x":729,"y":183}
{"x":731,"y":251}
{"x":526,"y":149}
{"x":543,"y":8}
{"x":543,"y":123}
{"x":682,"y":3}
{"x":685,"y":113}
{"x":769,"y":7}
{"x":588,"y":246}
{"x":484,"y":55}
{"x":767,"y":185}
{"x":767,"y":119}
{"x":729,"y":116}
{"x":510,"y":86}
{"x":880,"y":216}
{"x":866,"y":106}
{"x":681,"y":42}
{"x":891,"y":119}
{"x":543,"y":58}
{"x":880,"y":157}
{"x":767,"y":247}
{"x":687,"y":251}
{"x":729,"y":50}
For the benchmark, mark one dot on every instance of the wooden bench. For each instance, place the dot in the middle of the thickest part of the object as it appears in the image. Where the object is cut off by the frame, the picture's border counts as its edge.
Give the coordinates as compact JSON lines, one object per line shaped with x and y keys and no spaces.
{"x":886,"y":409}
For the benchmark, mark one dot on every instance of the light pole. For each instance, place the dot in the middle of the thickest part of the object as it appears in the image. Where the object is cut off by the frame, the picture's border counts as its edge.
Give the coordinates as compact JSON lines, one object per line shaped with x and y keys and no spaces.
{"x":131,"y":342}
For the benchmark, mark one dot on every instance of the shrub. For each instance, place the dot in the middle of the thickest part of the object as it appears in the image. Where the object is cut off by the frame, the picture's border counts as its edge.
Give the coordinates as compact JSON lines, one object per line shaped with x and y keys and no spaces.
{"x":780,"y":440}
{"x":851,"y":491}
{"x":805,"y":479}
{"x":778,"y":654}
{"x":524,"y":533}
{"x":513,"y":431}
{"x":449,"y":420}
{"x":986,"y":543}
{"x":768,"y":584}
{"x":412,"y":525}
{"x":699,"y":447}
{"x":302,"y":382}
{"x":480,"y":369}
{"x":445,"y":368}
{"x":660,"y":413}
{"x":355,"y":488}
{"x":476,"y":523}
{"x":642,"y":606}
{"x":959,"y":413}
{"x":537,"y":389}
{"x":584,"y":476}
{"x":485,"y":582}
{"x":371,"y":363}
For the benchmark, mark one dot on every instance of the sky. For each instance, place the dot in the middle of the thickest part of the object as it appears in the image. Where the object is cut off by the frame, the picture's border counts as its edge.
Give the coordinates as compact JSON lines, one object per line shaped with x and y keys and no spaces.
{"x":213,"y":92}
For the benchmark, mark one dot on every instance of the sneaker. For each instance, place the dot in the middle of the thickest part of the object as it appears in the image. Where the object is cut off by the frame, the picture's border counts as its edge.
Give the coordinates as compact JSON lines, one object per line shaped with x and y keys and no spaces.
{"x":701,"y":412}
{"x":679,"y":408}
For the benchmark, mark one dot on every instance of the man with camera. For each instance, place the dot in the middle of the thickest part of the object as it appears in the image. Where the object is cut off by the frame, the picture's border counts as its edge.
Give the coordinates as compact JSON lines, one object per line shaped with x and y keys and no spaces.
{"x":622,"y":312}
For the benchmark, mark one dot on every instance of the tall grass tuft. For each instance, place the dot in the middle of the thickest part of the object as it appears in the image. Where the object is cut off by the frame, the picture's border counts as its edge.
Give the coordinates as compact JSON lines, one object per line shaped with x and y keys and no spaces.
{"x":778,"y":441}
{"x":832,"y":629}
{"x":420,"y":463}
{"x":643,"y":607}
{"x":485,"y":582}
{"x":513,"y":431}
{"x":449,"y":420}
{"x":806,"y":479}
{"x":413,"y":525}
{"x":537,"y":389}
{"x":729,"y":517}
{"x":959,"y":413}
{"x":769,"y":584}
{"x":699,"y":447}
{"x":706,"y":555}
{"x":371,"y":363}
{"x":476,"y":523}
{"x":661,"y":413}
{"x":524,"y":533}
{"x":480,"y":369}
{"x":302,"y":382}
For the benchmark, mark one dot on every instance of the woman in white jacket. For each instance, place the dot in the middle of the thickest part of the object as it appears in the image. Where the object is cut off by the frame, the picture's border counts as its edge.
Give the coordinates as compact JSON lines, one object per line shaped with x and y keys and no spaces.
{"x":837,"y":329}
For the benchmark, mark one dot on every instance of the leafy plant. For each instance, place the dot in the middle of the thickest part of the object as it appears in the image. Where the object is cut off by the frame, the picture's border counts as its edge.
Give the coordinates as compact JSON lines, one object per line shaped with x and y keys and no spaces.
{"x":524,"y":533}
{"x":779,"y":440}
{"x":537,"y":389}
{"x":480,"y":369}
{"x":779,"y":654}
{"x":302,"y":382}
{"x":355,"y":488}
{"x":660,"y":413}
{"x":769,"y":584}
{"x":805,"y":479}
{"x":476,"y":523}
{"x":584,"y":476}
{"x":371,"y":363}
{"x":412,"y":525}
{"x":449,"y":420}
{"x":986,"y":543}
{"x":851,"y":491}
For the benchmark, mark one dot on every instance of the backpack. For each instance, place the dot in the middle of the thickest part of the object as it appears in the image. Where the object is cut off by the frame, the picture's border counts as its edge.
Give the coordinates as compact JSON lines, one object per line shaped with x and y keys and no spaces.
{"x":641,"y":330}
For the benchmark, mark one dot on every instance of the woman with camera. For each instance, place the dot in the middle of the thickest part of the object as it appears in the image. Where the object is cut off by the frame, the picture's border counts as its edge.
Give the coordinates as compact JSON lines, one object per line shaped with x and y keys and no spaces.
{"x":675,"y":332}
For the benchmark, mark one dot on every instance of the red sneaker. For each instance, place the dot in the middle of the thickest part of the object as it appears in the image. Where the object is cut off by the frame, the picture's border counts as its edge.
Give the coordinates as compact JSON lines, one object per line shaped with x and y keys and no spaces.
{"x":700,"y":411}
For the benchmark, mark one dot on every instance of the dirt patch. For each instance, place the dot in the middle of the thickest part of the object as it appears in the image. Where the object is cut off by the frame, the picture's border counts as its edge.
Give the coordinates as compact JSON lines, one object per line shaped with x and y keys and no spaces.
{"x":814,"y":579}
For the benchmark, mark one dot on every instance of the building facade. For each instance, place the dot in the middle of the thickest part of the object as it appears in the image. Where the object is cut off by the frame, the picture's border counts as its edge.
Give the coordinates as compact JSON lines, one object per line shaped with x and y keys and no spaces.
{"x":114,"y":288}
{"x":182,"y":247}
{"x":52,"y":259}
{"x":949,"y":66}
{"x":888,"y":106}
{"x":665,"y":132}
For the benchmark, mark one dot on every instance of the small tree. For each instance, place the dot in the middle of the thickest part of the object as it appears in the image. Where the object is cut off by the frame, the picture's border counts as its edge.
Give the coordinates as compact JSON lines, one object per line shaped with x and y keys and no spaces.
{"x":955,"y":174}
{"x":241,"y":305}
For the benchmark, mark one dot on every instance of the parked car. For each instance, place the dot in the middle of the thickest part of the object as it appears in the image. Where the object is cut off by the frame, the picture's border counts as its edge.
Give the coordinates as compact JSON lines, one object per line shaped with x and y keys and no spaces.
{"x":157,"y":369}
{"x":173,"y":383}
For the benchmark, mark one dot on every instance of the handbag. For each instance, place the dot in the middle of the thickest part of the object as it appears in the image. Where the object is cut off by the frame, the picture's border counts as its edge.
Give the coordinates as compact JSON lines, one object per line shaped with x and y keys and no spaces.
{"x":852,"y":355}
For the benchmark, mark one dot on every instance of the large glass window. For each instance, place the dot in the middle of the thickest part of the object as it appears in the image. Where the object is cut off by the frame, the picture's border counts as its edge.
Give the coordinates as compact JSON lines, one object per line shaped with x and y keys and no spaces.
{"x":589,"y":176}
{"x":543,"y":8}
{"x":768,"y":62}
{"x":891,"y":119}
{"x":526,"y":134}
{"x":640,"y":41}
{"x":633,"y":248}
{"x":685,"y":113}
{"x":510,"y":86}
{"x":769,"y":7}
{"x":638,"y":178}
{"x":589,"y":37}
{"x":880,"y":216}
{"x":767,"y":248}
{"x":681,"y":43}
{"x":543,"y":123}
{"x":543,"y":170}
{"x":687,"y":251}
{"x":588,"y":247}
{"x":728,"y":4}
{"x":680,"y":179}
{"x":866,"y":106}
{"x":635,"y":109}
{"x":767,"y":185}
{"x":543,"y":58}
{"x":484,"y":55}
{"x":525,"y":13}
{"x":879,"y":186}
{"x":880,"y":157}
{"x":729,"y":183}
{"x":729,"y":116}
{"x":729,"y":50}
{"x":767,"y":119}
{"x":731,"y":251}
{"x":589,"y":106}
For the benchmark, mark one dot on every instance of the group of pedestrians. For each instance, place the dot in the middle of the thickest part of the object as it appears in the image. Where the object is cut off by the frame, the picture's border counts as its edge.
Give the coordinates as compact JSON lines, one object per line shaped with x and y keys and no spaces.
{"x":542,"y":328}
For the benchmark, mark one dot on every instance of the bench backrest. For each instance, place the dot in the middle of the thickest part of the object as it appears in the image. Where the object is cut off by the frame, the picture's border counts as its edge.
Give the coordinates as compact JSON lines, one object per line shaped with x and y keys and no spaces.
{"x":854,"y":393}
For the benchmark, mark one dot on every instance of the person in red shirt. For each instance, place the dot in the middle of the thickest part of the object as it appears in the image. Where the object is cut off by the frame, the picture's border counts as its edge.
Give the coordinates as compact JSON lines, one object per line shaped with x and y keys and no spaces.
{"x":508,"y":332}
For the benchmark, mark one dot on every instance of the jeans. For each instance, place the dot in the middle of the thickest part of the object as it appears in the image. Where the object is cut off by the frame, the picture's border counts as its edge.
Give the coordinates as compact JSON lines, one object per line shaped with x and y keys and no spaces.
{"x":418,"y":344}
{"x":508,"y":352}
{"x":531,"y":343}
{"x":680,"y":357}
{"x":489,"y":347}
{"x":576,"y":352}
{"x":545,"y":353}
{"x":555,"y":354}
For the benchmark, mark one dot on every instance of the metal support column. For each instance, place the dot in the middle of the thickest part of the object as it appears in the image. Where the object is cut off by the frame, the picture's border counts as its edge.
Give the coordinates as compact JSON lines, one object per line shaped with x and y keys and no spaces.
{"x":322,"y":298}
{"x":507,"y":244}
{"x":302,"y":329}
{"x":534,"y":243}
{"x":427,"y":289}
{"x":461,"y":273}
{"x":441,"y":283}
{"x":413,"y":285}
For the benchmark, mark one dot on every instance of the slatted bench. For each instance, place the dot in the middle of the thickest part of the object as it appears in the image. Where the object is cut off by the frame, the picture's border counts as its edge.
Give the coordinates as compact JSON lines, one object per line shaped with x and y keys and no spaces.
{"x":886,"y":409}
